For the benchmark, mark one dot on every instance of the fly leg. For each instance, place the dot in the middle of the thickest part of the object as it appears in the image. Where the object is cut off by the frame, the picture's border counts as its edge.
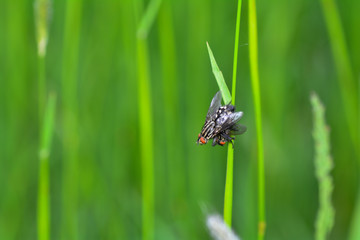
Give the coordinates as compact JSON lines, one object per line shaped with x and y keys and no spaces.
{"x":215,"y":141}
{"x":228,"y":138}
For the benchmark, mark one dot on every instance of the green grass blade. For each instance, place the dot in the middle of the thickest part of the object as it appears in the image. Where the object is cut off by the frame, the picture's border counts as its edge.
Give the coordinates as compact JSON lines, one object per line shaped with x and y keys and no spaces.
{"x":345,"y":78}
{"x":348,"y":88}
{"x":43,"y":210}
{"x":255,"y":82}
{"x":236,"y":49}
{"x":41,"y":87}
{"x":219,"y":77}
{"x":148,"y":18}
{"x":228,"y":196}
{"x":70,"y":121}
{"x":323,"y":166}
{"x":146,"y":132}
{"x":170,"y":88}
{"x":146,"y":139}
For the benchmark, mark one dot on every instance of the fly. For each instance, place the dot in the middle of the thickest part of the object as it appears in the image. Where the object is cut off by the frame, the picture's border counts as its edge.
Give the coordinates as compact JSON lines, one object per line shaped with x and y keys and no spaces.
{"x":220,"y":123}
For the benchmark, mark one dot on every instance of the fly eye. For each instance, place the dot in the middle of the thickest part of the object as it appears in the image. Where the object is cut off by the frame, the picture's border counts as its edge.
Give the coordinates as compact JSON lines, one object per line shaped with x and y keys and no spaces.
{"x":199,"y":135}
{"x":202,"y":140}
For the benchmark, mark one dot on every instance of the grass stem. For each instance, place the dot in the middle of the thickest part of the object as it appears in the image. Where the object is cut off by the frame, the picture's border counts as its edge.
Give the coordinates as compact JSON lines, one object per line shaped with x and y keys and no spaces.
{"x":228,"y":196}
{"x":345,"y":78}
{"x":236,"y":49}
{"x":349,"y":91}
{"x":145,"y":127}
{"x":41,"y":87}
{"x":43,"y":216}
{"x":146,"y":140}
{"x":148,"y":18}
{"x":70,"y":118}
{"x":255,"y":82}
{"x":42,"y":10}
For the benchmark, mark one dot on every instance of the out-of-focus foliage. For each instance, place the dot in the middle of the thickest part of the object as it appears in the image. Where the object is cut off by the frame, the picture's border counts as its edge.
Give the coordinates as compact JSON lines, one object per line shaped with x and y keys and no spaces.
{"x":103,"y":196}
{"x":323,"y":167}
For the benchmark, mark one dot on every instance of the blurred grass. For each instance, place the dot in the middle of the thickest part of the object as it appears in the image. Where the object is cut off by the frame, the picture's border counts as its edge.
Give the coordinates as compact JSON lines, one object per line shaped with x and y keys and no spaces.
{"x":44,"y":178}
{"x":146,"y":119}
{"x":255,"y":82}
{"x":148,"y":18}
{"x":42,"y":9}
{"x":349,"y":88}
{"x":70,"y":119}
{"x":346,"y":80}
{"x":294,"y":58}
{"x":173,"y":163}
{"x":323,"y":166}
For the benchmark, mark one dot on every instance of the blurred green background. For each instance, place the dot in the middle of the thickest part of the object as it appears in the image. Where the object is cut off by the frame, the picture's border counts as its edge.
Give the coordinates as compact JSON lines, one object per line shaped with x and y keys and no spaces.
{"x":95,"y":162}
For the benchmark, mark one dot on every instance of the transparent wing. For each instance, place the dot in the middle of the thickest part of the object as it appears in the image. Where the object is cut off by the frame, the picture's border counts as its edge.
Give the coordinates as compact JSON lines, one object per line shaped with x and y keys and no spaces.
{"x":238,"y":129}
{"x":214,"y":106}
{"x":230,"y":122}
{"x":235,"y":117}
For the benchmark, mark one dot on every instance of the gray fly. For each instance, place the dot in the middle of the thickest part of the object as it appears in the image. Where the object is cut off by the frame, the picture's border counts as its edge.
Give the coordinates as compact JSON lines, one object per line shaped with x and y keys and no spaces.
{"x":220,"y":123}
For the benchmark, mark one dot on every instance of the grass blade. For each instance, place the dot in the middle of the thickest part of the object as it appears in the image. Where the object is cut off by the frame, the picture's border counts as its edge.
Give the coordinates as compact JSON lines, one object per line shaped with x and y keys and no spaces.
{"x":69,"y":100}
{"x":346,"y":78}
{"x":219,"y":77}
{"x":323,"y":166}
{"x":43,"y":217}
{"x":236,"y":49}
{"x":146,"y":140}
{"x":255,"y":82}
{"x":148,"y":18}
{"x":349,"y":91}
{"x":227,"y":98}
{"x":230,"y":157}
{"x":146,"y":130}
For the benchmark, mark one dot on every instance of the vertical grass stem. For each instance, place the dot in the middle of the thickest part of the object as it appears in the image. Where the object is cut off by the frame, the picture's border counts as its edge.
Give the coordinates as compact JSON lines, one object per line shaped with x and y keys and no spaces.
{"x":43,"y":210}
{"x":255,"y":82}
{"x":146,"y":123}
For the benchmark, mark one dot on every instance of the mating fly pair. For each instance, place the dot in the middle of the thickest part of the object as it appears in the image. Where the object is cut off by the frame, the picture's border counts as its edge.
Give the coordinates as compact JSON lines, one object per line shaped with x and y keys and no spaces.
{"x":220,"y":123}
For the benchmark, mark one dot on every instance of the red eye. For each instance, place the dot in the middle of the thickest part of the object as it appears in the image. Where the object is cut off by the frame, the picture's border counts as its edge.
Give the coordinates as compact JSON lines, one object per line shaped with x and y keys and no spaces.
{"x":202,"y":140}
{"x":199,"y":135}
{"x":222,"y":143}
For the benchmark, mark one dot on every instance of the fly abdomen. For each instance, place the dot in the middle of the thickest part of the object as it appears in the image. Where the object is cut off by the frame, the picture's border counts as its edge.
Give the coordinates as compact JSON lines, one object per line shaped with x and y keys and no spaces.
{"x":208,"y":129}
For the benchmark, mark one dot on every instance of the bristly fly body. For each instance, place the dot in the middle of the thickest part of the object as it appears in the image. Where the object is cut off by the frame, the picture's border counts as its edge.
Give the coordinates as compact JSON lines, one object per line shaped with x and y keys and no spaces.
{"x":220,"y":123}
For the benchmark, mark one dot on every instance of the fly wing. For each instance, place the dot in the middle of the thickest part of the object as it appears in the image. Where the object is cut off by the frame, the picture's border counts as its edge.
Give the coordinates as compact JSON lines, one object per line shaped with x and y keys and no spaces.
{"x":233,"y":118}
{"x":214,"y":106}
{"x":238,"y":129}
{"x":229,"y":122}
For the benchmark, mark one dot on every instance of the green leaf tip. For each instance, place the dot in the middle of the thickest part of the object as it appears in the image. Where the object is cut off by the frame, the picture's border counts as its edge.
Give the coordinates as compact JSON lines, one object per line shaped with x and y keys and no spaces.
{"x":323,"y":167}
{"x":148,"y":19}
{"x":219,"y":77}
